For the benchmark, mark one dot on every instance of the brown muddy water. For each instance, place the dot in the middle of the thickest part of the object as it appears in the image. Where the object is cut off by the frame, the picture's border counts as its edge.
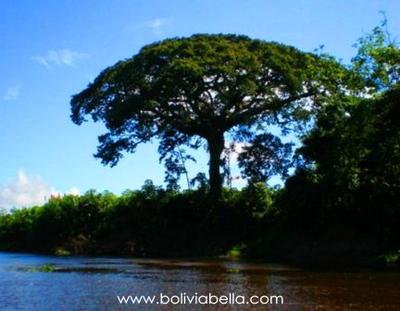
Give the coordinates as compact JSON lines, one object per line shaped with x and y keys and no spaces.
{"x":33,"y":282}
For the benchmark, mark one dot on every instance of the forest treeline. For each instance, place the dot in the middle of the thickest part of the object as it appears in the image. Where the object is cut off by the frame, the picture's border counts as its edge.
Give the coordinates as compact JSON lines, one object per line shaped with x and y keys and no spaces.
{"x":341,"y":204}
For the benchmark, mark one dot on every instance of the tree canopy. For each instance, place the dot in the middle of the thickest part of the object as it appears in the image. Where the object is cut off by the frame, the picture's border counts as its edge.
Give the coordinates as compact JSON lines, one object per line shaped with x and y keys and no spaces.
{"x":349,"y":173}
{"x":186,"y":92}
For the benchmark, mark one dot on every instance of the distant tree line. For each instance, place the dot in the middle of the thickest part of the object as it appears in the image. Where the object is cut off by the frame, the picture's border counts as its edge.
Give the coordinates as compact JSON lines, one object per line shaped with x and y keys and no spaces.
{"x":147,"y":222}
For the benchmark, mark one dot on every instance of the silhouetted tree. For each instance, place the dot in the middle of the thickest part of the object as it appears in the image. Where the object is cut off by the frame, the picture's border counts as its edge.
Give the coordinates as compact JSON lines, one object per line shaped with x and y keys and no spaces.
{"x":189,"y":91}
{"x":265,"y":157}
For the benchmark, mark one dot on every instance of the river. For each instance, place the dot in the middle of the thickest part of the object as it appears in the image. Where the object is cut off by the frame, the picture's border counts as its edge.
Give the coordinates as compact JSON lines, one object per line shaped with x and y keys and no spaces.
{"x":35,"y":282}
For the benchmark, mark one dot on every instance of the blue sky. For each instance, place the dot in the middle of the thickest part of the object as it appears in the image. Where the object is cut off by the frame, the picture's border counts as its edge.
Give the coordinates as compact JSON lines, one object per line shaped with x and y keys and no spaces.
{"x":50,"y":50}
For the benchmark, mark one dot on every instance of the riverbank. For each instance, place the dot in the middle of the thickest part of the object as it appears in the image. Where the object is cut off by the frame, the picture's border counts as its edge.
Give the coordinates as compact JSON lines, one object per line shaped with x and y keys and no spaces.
{"x":155,"y":223}
{"x":309,"y":254}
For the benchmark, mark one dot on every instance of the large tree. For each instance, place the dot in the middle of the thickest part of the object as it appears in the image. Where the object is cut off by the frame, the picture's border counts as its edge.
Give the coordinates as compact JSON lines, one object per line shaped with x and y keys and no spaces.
{"x":188,"y":91}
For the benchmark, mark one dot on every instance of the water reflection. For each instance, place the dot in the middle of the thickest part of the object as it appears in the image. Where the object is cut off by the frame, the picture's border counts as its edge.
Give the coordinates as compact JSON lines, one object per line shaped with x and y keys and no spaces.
{"x":81,"y":283}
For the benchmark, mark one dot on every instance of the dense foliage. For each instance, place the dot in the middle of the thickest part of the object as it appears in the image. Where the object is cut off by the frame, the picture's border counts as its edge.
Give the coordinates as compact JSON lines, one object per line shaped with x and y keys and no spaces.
{"x":187,"y":92}
{"x":347,"y":190}
{"x":147,"y":222}
{"x":345,"y":193}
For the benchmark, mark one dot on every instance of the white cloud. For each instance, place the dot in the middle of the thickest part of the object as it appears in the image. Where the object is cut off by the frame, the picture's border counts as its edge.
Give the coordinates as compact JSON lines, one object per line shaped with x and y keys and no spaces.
{"x":155,"y":25}
{"x":64,"y":57}
{"x":73,"y":191}
{"x":12,"y":93}
{"x":25,"y":191}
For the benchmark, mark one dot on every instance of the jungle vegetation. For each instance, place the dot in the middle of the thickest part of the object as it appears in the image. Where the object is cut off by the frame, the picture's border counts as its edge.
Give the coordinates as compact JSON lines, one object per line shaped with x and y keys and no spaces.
{"x":340,"y":201}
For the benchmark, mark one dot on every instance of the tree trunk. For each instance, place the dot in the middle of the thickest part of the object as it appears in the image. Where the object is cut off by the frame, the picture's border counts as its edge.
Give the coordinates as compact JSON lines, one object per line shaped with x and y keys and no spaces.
{"x":215,"y":146}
